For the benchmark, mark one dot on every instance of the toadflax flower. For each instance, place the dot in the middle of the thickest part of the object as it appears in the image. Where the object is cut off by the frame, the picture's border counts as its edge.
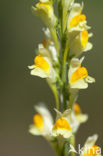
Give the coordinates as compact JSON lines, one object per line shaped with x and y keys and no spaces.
{"x":45,"y":10}
{"x":78,"y":76}
{"x":43,"y":68}
{"x":42,"y":122}
{"x":80,"y":43}
{"x":45,"y":61}
{"x":76,"y":118}
{"x":77,"y":20}
{"x":62,"y":126}
{"x":90,"y":149}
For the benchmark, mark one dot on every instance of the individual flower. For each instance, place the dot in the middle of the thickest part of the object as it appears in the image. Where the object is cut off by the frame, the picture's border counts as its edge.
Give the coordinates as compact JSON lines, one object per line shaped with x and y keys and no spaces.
{"x":45,"y":10}
{"x":45,"y":61}
{"x":62,"y":126}
{"x":76,"y":118}
{"x":78,"y":75}
{"x":42,"y":122}
{"x":90,"y":149}
{"x":43,"y":67}
{"x":76,"y":20}
{"x":80,"y":43}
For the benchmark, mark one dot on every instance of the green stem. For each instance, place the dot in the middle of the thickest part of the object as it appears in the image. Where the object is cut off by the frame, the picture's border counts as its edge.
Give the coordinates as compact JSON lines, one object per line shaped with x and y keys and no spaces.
{"x":65,"y":149}
{"x":72,"y":142}
{"x":55,"y":147}
{"x":73,"y":95}
{"x":56,"y":97}
{"x":64,"y":98}
{"x":64,"y":77}
{"x":64,"y":63}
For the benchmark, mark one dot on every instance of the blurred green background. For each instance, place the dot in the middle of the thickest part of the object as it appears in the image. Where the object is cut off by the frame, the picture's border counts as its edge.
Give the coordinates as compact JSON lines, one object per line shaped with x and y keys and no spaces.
{"x":20,"y":33}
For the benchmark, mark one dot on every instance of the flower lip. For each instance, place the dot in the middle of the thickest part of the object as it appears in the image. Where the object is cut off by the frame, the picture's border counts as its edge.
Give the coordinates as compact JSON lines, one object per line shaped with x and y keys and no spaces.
{"x":62,"y":128}
{"x":62,"y":123}
{"x":80,"y":73}
{"x":76,"y":20}
{"x":84,"y":38}
{"x":40,"y":62}
{"x":38,"y":121}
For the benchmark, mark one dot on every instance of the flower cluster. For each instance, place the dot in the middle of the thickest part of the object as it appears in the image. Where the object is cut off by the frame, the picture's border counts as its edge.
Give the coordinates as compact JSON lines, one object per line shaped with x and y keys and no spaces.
{"x":48,"y":62}
{"x":59,"y":61}
{"x":66,"y":124}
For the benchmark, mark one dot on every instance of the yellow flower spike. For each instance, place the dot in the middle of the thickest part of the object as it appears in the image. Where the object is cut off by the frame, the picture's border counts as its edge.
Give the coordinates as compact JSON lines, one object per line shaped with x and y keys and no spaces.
{"x":62,"y":124}
{"x":40,"y":62}
{"x":80,"y":73}
{"x":76,"y":108}
{"x":76,"y":20}
{"x":84,"y":38}
{"x":92,"y":151}
{"x":38,"y":121}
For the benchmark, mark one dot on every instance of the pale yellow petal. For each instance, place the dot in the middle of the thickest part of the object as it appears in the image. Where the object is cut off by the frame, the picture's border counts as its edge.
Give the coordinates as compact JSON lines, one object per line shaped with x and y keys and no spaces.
{"x":39,"y":72}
